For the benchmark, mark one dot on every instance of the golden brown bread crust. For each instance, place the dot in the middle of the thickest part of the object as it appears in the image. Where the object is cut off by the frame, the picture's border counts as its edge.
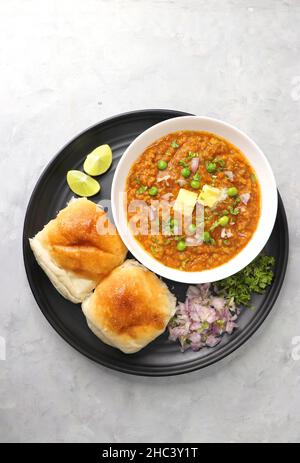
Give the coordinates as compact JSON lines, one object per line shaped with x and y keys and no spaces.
{"x":124,"y":304}
{"x":130,"y":307}
{"x":75,"y":244}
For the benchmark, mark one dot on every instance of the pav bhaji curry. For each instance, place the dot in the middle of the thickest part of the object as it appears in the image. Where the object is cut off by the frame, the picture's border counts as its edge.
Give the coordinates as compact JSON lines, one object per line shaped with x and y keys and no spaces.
{"x":192,"y":170}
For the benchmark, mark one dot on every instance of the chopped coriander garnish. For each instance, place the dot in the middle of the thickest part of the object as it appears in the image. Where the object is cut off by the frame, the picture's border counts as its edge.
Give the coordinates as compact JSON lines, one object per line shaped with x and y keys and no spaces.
{"x":252,"y":279}
{"x":183,"y":163}
{"x":222,"y":221}
{"x":191,"y":155}
{"x":197,"y":176}
{"x":253,"y":177}
{"x":204,"y":326}
{"x":153,"y":249}
{"x":173,"y":222}
{"x":214,"y":225}
{"x":221,"y":162}
{"x":178,"y":237}
{"x":173,"y":321}
{"x":141,"y":190}
{"x":155,"y":240}
{"x":174,"y":144}
{"x":233,"y":211}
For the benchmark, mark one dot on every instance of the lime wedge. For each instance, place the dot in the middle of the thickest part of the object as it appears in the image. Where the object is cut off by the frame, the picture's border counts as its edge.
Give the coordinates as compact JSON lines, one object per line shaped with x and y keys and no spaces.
{"x":82,"y":184}
{"x":98,"y":161}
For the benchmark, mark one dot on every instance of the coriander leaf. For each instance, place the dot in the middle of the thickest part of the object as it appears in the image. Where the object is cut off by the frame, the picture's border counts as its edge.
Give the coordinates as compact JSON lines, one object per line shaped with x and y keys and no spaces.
{"x":254,"y":278}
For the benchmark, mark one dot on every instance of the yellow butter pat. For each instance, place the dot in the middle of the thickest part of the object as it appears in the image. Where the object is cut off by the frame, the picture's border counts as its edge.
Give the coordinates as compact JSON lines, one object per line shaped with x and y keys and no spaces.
{"x":210,"y":196}
{"x":185,"y":202}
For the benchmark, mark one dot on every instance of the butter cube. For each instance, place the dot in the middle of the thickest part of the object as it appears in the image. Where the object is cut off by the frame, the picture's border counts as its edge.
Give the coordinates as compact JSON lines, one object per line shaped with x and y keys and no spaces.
{"x":185,"y":202}
{"x":210,"y":196}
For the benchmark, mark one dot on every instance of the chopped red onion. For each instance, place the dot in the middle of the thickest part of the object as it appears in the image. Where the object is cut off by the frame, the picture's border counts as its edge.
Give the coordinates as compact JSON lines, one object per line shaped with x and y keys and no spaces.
{"x":167,"y":196}
{"x":193,"y":241}
{"x":226,"y":233}
{"x":229,"y":175}
{"x":202,"y":319}
{"x":245,"y":197}
{"x":194,"y":164}
{"x":162,"y":177}
{"x":181,"y":182}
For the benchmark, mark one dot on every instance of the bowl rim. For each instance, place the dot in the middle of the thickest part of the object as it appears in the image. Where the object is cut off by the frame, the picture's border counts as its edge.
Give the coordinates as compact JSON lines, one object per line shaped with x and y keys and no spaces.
{"x":240,"y":260}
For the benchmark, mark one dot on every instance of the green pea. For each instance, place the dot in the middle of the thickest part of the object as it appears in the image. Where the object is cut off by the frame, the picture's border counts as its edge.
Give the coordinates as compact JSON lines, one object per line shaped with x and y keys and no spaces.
{"x":223,"y":221}
{"x":153,"y":191}
{"x":185,"y":172}
{"x":192,"y":228}
{"x":195,"y":184}
{"x":181,"y":246}
{"x":211,"y":167}
{"x":162,"y":165}
{"x":206,"y":237}
{"x":232,"y":191}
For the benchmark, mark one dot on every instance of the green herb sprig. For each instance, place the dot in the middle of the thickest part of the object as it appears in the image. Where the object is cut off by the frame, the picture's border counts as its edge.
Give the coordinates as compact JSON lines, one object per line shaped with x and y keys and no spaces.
{"x":254,"y":278}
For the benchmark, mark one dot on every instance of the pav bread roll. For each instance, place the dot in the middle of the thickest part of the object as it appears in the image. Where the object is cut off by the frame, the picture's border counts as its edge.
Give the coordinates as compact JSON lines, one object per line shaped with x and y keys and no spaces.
{"x":129,"y":308}
{"x":73,"y":252}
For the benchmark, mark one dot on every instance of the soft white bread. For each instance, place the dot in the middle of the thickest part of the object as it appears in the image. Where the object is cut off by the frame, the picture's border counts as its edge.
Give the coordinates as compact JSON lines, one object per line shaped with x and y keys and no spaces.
{"x":73,"y":253}
{"x":129,"y":308}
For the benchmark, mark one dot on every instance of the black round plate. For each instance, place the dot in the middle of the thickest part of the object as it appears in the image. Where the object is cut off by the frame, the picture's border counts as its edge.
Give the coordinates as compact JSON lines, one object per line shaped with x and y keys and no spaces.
{"x":51,"y":194}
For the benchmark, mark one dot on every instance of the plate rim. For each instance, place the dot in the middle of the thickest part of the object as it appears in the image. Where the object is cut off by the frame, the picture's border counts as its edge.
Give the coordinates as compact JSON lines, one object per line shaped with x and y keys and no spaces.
{"x":156,"y":371}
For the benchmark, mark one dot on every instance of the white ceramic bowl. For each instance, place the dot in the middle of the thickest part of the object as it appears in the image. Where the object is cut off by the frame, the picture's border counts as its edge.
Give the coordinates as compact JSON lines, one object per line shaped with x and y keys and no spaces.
{"x":256,"y":158}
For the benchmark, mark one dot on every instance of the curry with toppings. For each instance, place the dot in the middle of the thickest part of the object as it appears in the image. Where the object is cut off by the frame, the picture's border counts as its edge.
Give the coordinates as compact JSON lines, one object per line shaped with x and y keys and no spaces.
{"x":190,"y":169}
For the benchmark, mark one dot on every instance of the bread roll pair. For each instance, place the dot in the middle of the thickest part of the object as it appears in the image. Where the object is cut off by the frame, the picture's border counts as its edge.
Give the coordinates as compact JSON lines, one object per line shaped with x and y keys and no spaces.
{"x":130,"y":306}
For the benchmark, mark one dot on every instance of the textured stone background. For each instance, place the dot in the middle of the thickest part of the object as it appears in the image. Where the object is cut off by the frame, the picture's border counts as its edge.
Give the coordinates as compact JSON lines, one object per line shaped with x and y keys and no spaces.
{"x":66,"y":64}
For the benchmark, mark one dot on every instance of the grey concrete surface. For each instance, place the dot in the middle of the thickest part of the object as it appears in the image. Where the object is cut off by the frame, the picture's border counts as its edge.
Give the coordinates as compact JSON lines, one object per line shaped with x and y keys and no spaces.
{"x":66,"y":64}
